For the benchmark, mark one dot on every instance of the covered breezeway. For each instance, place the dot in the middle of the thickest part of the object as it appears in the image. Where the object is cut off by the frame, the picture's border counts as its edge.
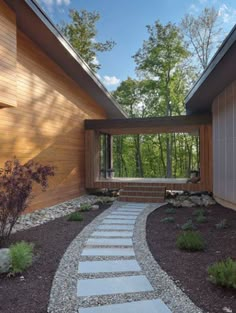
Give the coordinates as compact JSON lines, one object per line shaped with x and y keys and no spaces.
{"x":174,"y":124}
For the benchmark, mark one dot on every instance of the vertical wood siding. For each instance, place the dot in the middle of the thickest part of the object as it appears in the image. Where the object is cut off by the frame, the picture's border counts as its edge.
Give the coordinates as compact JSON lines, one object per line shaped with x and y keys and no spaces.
{"x":7,"y":56}
{"x":224,"y":144}
{"x":48,"y":123}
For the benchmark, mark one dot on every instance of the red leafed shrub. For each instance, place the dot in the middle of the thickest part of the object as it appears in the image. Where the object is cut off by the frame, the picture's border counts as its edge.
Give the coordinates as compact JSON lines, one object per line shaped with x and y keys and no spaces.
{"x":16,"y":182}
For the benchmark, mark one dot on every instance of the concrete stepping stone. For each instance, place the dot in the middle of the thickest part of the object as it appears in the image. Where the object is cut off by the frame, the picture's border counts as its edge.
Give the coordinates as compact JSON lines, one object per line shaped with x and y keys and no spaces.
{"x":110,"y":242}
{"x":108,"y":252}
{"x":118,"y":221}
{"x":115,"y":227}
{"x":112,"y":234}
{"x":125,"y":213}
{"x":113,"y":285}
{"x":129,"y":211}
{"x":146,"y":306}
{"x":128,"y":217}
{"x":109,"y":266}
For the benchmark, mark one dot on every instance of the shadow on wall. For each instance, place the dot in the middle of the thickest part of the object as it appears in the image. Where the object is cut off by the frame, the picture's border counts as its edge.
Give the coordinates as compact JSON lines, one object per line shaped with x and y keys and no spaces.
{"x":47,"y":124}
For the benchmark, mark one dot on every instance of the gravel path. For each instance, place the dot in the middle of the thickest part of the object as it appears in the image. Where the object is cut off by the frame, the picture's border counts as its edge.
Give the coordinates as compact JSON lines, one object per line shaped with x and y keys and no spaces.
{"x":109,"y":268}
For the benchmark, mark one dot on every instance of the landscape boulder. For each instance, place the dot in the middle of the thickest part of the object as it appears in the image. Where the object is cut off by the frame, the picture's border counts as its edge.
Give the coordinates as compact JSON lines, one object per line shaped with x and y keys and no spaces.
{"x":5,"y":260}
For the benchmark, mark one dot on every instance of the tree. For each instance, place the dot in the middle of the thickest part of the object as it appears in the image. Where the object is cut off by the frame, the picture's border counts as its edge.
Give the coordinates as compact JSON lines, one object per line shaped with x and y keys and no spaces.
{"x":203,"y":34}
{"x":128,"y":95}
{"x":159,"y":61}
{"x":81,"y":32}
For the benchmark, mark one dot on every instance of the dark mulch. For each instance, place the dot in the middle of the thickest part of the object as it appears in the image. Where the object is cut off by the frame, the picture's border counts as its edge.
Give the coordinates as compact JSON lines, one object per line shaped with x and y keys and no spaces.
{"x":189,"y":270}
{"x":51,"y":240}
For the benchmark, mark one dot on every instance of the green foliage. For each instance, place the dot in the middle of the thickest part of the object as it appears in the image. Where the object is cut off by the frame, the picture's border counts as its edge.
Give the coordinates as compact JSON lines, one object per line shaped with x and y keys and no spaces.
{"x":170,"y":211}
{"x":188,"y":225}
{"x":81,"y":32}
{"x":199,"y":212}
{"x":223,"y":273}
{"x":190,"y":241}
{"x":200,"y":219}
{"x":167,"y":220}
{"x":21,"y":256}
{"x":161,"y":88}
{"x":85,"y":207}
{"x":223,"y":224}
{"x":75,"y":217}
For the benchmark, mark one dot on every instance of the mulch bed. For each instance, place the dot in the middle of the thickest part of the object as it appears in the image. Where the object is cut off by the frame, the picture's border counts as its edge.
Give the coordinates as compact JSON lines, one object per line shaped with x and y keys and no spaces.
{"x":31,"y":295}
{"x":189,"y":270}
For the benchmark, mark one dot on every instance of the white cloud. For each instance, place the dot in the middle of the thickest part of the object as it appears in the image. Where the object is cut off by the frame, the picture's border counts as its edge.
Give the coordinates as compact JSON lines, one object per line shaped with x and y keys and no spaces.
{"x":227,"y":14}
{"x":203,"y":1}
{"x":193,"y":9}
{"x":50,"y":3}
{"x":110,"y":80}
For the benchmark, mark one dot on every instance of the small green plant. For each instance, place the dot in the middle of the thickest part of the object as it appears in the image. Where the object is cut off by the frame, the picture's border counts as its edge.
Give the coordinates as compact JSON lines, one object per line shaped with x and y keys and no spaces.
{"x":75,"y":217}
{"x":84,"y":207}
{"x":200,"y":219}
{"x":199,"y":212}
{"x":222,"y":224}
{"x":170,"y":211}
{"x":190,"y":241}
{"x":223,"y":273}
{"x":167,"y":220}
{"x":21,"y":256}
{"x":188,"y":225}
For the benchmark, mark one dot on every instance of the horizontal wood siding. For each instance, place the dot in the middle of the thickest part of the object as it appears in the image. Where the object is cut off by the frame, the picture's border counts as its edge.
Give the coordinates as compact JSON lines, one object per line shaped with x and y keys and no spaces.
{"x":48,"y":123}
{"x":224,"y":145}
{"x":7,"y":56}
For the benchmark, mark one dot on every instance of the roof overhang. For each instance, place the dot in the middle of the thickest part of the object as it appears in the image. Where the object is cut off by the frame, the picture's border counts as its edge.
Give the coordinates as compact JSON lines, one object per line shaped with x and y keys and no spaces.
{"x":33,"y":21}
{"x":218,"y":75}
{"x":150,"y":125}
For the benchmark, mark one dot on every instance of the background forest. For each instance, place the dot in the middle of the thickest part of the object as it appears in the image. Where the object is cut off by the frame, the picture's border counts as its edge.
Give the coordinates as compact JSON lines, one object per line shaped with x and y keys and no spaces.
{"x":168,"y":63}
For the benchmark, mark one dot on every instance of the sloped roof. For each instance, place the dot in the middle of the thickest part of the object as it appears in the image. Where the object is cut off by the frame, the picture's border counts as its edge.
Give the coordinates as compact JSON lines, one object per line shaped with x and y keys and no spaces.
{"x":34,"y":22}
{"x":220,"y":72}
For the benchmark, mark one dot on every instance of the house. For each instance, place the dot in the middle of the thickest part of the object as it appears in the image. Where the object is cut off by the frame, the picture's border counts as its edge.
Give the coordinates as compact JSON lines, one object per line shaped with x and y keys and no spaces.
{"x":46,"y":93}
{"x":215,"y":93}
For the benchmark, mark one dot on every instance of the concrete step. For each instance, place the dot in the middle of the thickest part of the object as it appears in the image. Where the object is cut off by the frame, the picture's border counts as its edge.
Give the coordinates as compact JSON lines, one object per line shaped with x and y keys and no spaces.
{"x":145,"y":187}
{"x":142,"y":199}
{"x":144,"y":193}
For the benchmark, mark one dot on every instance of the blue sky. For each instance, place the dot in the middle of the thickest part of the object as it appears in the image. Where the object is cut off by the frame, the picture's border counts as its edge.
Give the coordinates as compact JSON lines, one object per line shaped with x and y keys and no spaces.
{"x":125,"y":21}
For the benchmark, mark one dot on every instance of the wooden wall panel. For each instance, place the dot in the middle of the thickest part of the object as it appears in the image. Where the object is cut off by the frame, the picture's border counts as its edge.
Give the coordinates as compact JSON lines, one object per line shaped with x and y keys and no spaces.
{"x":224,"y":146}
{"x":7,"y":56}
{"x":48,"y":123}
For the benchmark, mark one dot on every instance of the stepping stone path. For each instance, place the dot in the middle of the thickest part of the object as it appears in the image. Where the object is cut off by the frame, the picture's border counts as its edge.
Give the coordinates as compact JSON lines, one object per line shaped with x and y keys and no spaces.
{"x":109,"y":255}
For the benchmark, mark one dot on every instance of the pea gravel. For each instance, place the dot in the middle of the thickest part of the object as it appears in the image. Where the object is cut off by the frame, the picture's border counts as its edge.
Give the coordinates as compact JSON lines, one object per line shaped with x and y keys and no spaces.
{"x":63,"y":296}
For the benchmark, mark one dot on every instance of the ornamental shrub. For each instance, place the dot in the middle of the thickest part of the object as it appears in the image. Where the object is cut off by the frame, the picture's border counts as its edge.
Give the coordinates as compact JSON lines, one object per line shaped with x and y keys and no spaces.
{"x":190,"y":241}
{"x":75,"y":217}
{"x":16,"y":182}
{"x":199,"y":212}
{"x":84,"y":207}
{"x":200,"y":219}
{"x":223,"y":273}
{"x":21,"y":256}
{"x":188,"y":225}
{"x":223,"y":224}
{"x":167,"y":220}
{"x":170,"y":211}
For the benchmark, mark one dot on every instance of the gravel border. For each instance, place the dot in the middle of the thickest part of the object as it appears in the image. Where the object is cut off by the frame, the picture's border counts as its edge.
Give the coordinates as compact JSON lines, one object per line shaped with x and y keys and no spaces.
{"x":63,"y":296}
{"x":48,"y":214}
{"x":164,"y":286}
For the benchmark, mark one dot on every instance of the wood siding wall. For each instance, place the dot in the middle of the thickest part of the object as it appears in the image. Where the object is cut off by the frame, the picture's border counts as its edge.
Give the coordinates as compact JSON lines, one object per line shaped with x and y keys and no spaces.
{"x":7,"y":56}
{"x":224,"y":145}
{"x":48,"y":123}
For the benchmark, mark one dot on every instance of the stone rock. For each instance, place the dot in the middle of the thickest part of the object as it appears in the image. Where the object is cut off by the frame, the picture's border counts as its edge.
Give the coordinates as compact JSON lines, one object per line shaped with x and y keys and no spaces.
{"x":95,"y":207}
{"x":207,"y":200}
{"x":196,"y":200}
{"x":5,"y":260}
{"x":187,"y":204}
